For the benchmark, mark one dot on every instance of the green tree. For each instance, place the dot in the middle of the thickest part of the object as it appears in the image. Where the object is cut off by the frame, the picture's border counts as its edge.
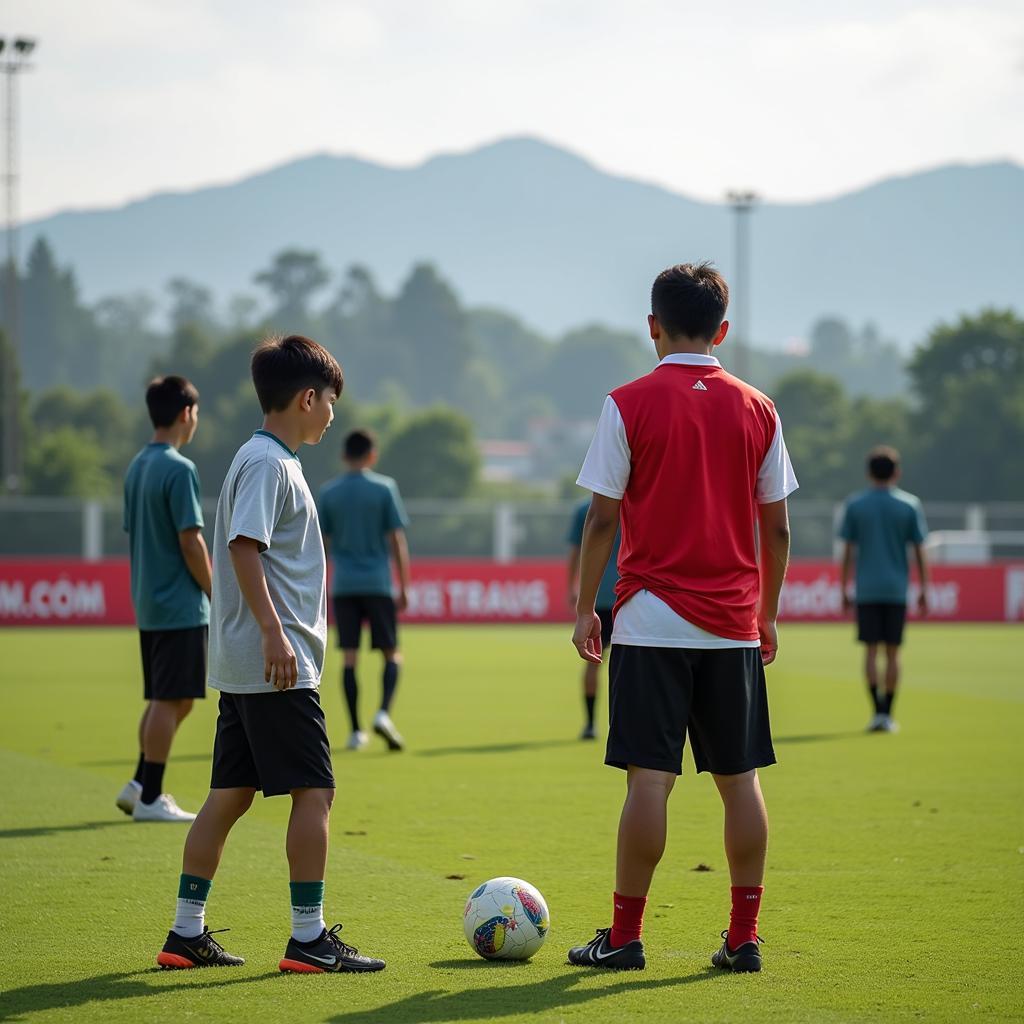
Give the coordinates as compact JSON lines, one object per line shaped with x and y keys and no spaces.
{"x":430,"y":322}
{"x":433,"y":455}
{"x":67,"y":463}
{"x":191,"y":304}
{"x":969,"y":423}
{"x":292,"y":279}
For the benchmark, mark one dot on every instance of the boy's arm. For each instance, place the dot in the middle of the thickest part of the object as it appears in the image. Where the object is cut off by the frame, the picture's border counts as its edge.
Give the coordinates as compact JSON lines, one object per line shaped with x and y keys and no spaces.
{"x":400,"y":554}
{"x":844,"y":574}
{"x":573,"y":570}
{"x":773,"y":520}
{"x":598,"y":540}
{"x":922,"y":578}
{"x":280,"y":667}
{"x":197,"y":558}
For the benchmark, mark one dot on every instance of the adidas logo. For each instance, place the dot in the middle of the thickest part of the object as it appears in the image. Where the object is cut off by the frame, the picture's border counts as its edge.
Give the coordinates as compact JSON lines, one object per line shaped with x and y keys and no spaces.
{"x":699,"y":386}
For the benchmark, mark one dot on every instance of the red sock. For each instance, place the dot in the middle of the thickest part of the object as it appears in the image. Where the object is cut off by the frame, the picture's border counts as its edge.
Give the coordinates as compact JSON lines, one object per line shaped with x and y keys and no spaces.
{"x":628,"y":919}
{"x":746,"y":902}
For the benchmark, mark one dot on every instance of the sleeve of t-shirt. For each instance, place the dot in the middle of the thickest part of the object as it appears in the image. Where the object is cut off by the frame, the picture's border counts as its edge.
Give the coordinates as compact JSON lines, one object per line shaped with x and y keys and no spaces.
{"x":324,"y":512}
{"x":607,"y":465}
{"x":394,"y":511}
{"x":259,"y":501}
{"x":184,"y":500}
{"x":575,"y":534}
{"x":918,"y":528}
{"x":776,"y":479}
{"x":848,"y":527}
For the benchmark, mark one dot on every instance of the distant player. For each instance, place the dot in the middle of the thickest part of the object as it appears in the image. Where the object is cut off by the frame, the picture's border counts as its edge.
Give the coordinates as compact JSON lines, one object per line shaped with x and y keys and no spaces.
{"x":267,"y":641}
{"x":689,"y":457}
{"x":170,"y":574}
{"x":878,"y":525}
{"x":363,"y":522}
{"x":605,"y":604}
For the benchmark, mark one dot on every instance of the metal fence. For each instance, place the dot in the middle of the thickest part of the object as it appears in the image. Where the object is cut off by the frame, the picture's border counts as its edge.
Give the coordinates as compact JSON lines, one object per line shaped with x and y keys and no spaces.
{"x":504,"y":531}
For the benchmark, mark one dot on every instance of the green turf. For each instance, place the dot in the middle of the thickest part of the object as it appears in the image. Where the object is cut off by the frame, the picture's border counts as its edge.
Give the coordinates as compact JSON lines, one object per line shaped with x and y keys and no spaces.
{"x":894,"y":888}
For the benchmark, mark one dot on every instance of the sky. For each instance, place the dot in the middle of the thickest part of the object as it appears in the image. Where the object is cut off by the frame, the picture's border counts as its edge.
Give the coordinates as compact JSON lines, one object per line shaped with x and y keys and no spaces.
{"x":797,"y":99}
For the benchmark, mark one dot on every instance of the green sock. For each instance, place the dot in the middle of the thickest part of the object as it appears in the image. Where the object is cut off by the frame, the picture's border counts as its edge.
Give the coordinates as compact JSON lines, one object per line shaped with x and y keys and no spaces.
{"x":307,"y":910}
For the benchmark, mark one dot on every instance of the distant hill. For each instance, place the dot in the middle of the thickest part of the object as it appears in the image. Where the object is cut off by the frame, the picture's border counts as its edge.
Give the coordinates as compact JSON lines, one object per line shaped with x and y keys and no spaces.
{"x":539,"y":231}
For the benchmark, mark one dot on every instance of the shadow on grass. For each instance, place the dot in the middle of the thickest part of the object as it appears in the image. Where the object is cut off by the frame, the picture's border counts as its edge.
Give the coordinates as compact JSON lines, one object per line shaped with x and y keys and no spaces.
{"x":52,"y":830}
{"x":508,"y":1000}
{"x":496,"y":748}
{"x":104,"y":988}
{"x":819,"y":737}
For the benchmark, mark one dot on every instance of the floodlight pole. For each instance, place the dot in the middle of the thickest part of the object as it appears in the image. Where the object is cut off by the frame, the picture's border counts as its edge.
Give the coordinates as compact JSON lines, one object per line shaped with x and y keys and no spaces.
{"x":742,"y":203}
{"x":14,"y":55}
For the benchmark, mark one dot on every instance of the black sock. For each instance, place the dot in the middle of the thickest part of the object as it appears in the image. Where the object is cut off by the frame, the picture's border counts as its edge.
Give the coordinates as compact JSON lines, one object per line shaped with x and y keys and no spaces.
{"x":885,"y":703}
{"x":138,"y":768}
{"x":389,"y":684}
{"x":590,"y":710}
{"x":876,"y":699}
{"x":152,"y":780}
{"x":352,"y":696}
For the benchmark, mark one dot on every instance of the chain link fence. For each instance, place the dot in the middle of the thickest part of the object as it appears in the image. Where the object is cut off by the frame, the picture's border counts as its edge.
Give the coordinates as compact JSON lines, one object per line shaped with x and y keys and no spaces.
{"x":504,"y":531}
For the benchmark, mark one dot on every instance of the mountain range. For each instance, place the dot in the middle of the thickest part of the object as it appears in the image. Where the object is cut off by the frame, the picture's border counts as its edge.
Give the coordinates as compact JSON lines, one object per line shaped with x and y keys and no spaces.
{"x":534,"y":229}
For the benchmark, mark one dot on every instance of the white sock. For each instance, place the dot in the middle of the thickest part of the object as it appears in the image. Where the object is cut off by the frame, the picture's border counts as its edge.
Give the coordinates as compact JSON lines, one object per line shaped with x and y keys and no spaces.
{"x":308,"y":923}
{"x":190,"y":918}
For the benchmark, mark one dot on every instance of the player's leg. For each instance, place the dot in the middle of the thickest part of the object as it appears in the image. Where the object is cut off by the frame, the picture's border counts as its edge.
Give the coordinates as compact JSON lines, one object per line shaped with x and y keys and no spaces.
{"x":129,"y":795}
{"x":730,"y":735}
{"x":348,"y":618}
{"x":383,"y":619}
{"x":649,"y":691}
{"x":233,"y":784}
{"x":870,"y":634}
{"x":892,"y":682}
{"x":590,"y":671}
{"x":295,"y":757}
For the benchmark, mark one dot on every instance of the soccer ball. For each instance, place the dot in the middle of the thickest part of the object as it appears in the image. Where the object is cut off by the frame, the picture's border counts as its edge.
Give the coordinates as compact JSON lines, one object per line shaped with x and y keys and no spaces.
{"x":506,"y":919}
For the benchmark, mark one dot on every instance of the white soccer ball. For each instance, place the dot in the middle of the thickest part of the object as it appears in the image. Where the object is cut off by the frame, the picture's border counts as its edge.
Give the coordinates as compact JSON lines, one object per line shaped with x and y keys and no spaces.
{"x":506,"y":919}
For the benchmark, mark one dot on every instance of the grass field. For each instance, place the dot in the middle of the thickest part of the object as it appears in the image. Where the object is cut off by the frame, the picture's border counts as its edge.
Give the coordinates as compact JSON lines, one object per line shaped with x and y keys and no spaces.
{"x":894,"y":887}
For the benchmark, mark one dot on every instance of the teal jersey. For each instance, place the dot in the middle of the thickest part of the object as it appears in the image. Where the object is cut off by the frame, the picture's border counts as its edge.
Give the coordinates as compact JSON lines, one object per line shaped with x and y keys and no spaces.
{"x":161,"y":498}
{"x":358,"y":512}
{"x":606,"y":591}
{"x":881,"y":522}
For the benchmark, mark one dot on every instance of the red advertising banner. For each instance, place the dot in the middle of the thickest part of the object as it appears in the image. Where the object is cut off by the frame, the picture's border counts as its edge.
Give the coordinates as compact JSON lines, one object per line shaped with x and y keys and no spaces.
{"x":57,"y":592}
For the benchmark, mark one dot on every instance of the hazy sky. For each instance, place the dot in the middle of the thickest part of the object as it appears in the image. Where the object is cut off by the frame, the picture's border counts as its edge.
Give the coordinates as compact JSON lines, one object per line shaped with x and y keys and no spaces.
{"x":797,"y":98}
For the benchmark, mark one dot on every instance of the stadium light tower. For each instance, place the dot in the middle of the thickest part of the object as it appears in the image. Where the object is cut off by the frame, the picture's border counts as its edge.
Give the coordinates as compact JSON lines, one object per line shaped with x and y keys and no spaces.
{"x":14,"y":55}
{"x":742,"y":203}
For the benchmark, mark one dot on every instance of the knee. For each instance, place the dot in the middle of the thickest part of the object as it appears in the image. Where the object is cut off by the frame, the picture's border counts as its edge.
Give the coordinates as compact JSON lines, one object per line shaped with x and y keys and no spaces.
{"x":733,"y":785}
{"x":349,"y":658}
{"x":184,"y":708}
{"x":394,"y":656}
{"x":317,"y":800}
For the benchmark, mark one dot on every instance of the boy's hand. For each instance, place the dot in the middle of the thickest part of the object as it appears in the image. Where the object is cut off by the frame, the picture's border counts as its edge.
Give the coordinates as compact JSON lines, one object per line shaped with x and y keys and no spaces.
{"x":587,"y":637}
{"x":922,"y":602}
{"x":280,"y":667}
{"x":769,"y":639}
{"x":401,"y":601}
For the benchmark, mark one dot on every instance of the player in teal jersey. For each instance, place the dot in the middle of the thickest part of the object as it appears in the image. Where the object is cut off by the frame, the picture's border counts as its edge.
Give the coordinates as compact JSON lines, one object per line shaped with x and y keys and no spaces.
{"x":605,"y":604}
{"x":170,"y":576}
{"x":363,"y":523}
{"x":878,"y":525}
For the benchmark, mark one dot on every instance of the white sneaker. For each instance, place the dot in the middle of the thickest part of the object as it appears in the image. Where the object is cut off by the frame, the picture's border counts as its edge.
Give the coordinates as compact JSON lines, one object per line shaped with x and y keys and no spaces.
{"x":877,"y":723}
{"x":129,"y":796}
{"x":357,"y":740}
{"x":163,"y":808}
{"x":385,"y":728}
{"x":889,"y":724}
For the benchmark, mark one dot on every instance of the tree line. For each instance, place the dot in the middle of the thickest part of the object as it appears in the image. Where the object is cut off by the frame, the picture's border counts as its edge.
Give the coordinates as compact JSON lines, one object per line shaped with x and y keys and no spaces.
{"x":432,"y":376}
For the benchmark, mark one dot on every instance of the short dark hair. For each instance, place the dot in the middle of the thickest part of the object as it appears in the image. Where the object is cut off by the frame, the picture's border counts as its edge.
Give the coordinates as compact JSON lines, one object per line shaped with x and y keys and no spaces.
{"x":167,"y":396}
{"x":359,"y":444}
{"x":284,"y":366}
{"x":690,"y":300}
{"x":883,"y":462}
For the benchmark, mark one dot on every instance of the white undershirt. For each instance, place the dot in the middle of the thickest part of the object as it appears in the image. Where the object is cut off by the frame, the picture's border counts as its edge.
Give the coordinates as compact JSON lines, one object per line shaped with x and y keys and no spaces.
{"x":645,"y":620}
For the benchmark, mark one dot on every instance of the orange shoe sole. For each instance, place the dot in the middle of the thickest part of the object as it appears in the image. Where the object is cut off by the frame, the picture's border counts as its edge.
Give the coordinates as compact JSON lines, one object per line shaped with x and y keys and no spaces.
{"x":174,"y":962}
{"x":295,"y":967}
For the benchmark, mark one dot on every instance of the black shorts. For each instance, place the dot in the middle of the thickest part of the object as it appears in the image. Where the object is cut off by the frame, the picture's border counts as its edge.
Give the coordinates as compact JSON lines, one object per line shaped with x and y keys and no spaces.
{"x":656,"y":695}
{"x":880,"y":622}
{"x":351,"y":610}
{"x":276,"y":742}
{"x":605,"y":615}
{"x":174,"y":663}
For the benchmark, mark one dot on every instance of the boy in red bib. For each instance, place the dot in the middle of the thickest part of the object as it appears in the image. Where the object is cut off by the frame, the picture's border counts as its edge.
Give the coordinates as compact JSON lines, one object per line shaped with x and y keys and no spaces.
{"x":688,"y":458}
